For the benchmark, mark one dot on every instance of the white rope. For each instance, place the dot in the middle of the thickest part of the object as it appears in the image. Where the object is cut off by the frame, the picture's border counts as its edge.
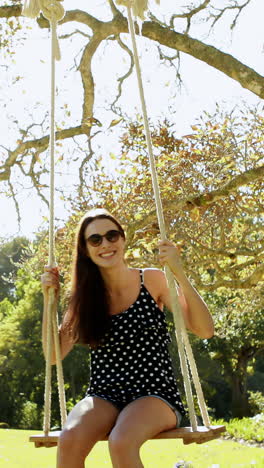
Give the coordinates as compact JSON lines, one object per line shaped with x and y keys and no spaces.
{"x":196,"y":381}
{"x":54,"y":12}
{"x":139,"y":7}
{"x":48,"y":372}
{"x":60,"y":379}
{"x":180,"y":329}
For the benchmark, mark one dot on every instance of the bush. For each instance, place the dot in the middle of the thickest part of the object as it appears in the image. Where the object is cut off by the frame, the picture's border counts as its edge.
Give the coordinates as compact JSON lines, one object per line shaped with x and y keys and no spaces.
{"x":4,"y":425}
{"x":30,"y":416}
{"x":256,"y":402}
{"x":249,"y":429}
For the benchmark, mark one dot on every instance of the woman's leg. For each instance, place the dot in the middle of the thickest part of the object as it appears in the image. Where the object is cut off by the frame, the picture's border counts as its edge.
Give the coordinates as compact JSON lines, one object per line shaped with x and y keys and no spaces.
{"x":139,"y":421}
{"x":89,"y":421}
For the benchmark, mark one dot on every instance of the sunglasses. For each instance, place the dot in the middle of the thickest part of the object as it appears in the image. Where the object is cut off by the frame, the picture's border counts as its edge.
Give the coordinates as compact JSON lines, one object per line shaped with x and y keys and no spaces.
{"x":112,"y":236}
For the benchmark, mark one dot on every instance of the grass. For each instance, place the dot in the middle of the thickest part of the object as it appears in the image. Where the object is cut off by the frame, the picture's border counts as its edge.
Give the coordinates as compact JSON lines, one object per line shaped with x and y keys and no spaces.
{"x":17,"y":452}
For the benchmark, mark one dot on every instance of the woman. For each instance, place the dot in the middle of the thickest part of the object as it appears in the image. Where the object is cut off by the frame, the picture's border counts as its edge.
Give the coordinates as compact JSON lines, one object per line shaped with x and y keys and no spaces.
{"x":117,"y":310}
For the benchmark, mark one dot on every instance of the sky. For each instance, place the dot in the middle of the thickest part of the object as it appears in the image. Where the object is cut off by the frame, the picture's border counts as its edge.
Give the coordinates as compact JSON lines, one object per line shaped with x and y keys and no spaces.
{"x":203,"y":88}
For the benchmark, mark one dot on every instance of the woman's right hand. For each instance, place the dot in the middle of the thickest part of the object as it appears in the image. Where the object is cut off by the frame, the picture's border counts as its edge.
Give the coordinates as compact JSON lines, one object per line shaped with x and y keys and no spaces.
{"x":50,"y":279}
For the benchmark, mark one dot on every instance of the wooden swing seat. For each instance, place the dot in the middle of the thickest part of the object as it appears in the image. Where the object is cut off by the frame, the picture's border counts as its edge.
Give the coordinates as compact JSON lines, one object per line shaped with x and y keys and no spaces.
{"x":203,"y":434}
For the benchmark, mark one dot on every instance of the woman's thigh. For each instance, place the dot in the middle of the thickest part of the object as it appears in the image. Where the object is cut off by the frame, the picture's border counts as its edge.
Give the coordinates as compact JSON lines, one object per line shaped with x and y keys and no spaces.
{"x":90,"y":420}
{"x":143,"y":419}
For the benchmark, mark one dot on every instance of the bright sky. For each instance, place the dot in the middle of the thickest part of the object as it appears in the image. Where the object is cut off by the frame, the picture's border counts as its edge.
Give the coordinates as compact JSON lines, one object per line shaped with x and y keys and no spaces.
{"x":203,"y":87}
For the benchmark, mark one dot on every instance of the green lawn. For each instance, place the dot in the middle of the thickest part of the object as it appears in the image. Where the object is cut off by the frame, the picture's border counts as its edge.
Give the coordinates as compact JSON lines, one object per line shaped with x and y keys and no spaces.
{"x":16,"y":451}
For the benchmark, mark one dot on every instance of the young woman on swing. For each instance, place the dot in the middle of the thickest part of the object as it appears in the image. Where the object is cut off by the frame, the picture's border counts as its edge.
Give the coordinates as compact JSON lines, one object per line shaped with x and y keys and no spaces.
{"x":117,"y":310}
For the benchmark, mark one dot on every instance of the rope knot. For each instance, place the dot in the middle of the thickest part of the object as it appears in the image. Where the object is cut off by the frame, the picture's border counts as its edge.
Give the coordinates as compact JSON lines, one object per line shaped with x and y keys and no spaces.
{"x":52,"y":10}
{"x":139,"y":7}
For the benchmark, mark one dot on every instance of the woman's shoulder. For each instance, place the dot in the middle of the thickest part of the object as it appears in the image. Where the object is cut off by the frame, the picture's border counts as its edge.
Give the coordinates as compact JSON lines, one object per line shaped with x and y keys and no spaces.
{"x":154,"y":276}
{"x":155,"y":282}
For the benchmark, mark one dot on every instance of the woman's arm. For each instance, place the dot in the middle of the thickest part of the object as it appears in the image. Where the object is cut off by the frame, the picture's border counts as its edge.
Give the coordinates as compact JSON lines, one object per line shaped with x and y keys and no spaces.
{"x":50,"y":279}
{"x":196,"y":314}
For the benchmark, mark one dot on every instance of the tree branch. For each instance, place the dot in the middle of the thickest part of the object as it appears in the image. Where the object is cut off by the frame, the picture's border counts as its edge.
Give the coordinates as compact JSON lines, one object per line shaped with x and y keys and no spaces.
{"x":40,"y":144}
{"x":188,"y":15}
{"x":226,"y":63}
{"x":203,"y":199}
{"x":227,"y":8}
{"x":238,"y":181}
{"x":126,"y":75}
{"x":114,"y":8}
{"x":251,"y":281}
{"x":13,"y":195}
{"x":10,"y":11}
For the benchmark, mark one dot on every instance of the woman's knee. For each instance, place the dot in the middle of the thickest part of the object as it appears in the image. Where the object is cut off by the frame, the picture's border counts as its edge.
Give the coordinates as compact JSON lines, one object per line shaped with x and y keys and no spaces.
{"x":67,"y":439}
{"x":72,"y":441}
{"x":121,"y":442}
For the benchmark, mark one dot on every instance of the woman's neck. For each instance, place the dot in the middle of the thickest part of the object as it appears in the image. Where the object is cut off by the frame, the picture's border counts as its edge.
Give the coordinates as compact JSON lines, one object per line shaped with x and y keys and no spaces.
{"x":116,"y":278}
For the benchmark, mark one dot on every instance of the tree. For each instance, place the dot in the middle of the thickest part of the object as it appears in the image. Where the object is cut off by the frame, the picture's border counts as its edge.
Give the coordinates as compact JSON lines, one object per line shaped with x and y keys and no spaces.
{"x":11,"y":253}
{"x":27,"y":156}
{"x":238,"y":341}
{"x":22,"y":367}
{"x":21,"y":361}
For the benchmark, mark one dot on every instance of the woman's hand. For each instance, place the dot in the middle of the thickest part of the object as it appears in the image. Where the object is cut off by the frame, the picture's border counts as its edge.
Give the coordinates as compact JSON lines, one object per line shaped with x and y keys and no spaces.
{"x":50,"y":279}
{"x":169,"y":253}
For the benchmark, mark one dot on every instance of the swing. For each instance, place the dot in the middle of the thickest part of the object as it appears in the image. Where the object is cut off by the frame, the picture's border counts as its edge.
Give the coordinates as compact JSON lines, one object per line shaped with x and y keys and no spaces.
{"x":54,"y":12}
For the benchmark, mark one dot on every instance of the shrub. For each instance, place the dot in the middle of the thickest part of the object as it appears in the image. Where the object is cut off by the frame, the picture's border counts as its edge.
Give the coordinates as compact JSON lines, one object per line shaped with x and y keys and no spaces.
{"x":4,"y":425}
{"x":256,"y":402}
{"x":30,"y":416}
{"x":249,"y":429}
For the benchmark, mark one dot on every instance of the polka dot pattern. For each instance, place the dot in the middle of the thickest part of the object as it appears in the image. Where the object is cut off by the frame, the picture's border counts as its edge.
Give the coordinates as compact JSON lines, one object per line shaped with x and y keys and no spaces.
{"x":133,"y":358}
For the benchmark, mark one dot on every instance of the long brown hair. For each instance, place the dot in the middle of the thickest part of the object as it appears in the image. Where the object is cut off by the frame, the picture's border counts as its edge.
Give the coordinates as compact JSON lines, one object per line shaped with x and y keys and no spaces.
{"x":88,"y":313}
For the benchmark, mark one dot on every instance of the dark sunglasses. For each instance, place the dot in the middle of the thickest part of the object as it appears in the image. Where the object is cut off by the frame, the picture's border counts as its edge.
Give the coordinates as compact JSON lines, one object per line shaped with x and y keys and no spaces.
{"x":96,"y":239}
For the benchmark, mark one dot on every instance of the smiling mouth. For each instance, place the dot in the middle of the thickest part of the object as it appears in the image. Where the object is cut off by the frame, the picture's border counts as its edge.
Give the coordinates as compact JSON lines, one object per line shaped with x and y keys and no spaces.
{"x":107,"y":254}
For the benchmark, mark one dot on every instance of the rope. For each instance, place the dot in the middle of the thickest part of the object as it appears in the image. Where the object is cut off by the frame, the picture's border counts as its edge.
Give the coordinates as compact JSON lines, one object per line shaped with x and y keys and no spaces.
{"x":180,"y":329}
{"x":54,"y":12}
{"x":48,"y":371}
{"x":139,"y":7}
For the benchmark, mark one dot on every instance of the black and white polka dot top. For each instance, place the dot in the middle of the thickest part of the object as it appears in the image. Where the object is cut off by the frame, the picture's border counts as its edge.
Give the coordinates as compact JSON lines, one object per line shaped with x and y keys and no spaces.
{"x":133,"y":359}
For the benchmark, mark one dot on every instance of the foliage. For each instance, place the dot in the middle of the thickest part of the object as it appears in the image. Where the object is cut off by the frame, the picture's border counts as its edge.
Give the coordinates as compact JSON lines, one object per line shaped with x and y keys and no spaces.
{"x":30,"y":416}
{"x":21,"y":360}
{"x":11,"y":253}
{"x":256,"y":402}
{"x":3,"y":425}
{"x":237,"y":342}
{"x":249,"y":429}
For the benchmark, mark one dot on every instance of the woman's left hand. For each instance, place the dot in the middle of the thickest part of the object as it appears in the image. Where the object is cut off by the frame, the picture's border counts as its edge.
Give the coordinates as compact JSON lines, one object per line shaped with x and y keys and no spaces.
{"x":169,"y":253}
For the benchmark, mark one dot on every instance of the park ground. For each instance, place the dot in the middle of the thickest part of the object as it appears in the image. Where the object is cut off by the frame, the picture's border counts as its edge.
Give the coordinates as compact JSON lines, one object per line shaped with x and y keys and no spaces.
{"x":17,"y":452}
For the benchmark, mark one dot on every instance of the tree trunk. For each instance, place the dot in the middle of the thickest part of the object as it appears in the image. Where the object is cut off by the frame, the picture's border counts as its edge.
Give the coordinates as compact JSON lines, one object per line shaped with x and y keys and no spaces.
{"x":240,"y":405}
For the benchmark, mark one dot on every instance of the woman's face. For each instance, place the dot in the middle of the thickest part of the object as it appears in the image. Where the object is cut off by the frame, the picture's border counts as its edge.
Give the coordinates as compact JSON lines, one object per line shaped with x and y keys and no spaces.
{"x":107,"y":254}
